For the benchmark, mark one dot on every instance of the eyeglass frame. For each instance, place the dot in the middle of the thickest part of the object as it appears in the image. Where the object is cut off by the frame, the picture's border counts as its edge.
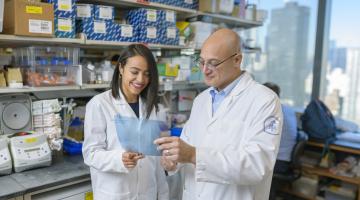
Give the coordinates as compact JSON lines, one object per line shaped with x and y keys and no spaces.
{"x":212,"y":66}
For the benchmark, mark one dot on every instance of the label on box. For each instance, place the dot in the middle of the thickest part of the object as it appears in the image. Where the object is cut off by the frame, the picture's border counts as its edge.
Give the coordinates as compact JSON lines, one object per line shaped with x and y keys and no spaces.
{"x":105,"y":12}
{"x":83,"y":11}
{"x":126,"y":31}
{"x":171,"y":32}
{"x":65,"y":25}
{"x":64,"y":5}
{"x":151,"y":32}
{"x":189,"y":1}
{"x":151,"y":15}
{"x":170,"y":16}
{"x":99,"y":27}
{"x":34,"y":10}
{"x":40,"y":26}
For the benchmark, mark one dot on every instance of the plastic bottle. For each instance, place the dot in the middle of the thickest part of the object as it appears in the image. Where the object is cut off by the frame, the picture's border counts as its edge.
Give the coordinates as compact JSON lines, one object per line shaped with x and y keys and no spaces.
{"x":107,"y":71}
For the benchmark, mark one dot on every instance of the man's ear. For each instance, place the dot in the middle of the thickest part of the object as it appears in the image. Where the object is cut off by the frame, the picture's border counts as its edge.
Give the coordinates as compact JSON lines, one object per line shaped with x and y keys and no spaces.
{"x":238,"y":59}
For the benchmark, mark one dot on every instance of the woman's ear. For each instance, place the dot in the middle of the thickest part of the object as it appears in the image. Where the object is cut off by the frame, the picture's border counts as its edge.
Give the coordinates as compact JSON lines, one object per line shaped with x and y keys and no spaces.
{"x":121,"y":70}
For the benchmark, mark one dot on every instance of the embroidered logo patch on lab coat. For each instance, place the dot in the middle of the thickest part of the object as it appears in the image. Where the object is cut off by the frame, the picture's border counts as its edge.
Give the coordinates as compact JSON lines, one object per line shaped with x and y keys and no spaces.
{"x":271,"y":125}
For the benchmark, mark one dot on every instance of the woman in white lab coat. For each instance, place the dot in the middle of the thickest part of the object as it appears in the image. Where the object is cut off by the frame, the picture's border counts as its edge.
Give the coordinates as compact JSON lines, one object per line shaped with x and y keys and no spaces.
{"x":115,"y":172}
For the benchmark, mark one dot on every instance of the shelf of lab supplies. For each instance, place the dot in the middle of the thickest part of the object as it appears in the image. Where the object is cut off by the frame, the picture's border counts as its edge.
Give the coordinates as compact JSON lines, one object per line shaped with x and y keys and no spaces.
{"x":185,"y":13}
{"x":96,"y":86}
{"x":229,"y":20}
{"x":26,"y":89}
{"x":13,"y":40}
{"x":117,"y":45}
{"x":142,"y":3}
{"x":335,"y":147}
{"x":176,"y":85}
{"x":326,"y":173}
{"x":182,"y":85}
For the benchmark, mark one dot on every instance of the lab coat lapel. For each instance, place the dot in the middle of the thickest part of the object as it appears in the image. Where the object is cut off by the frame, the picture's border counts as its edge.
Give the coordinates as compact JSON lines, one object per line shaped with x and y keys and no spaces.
{"x":227,"y":103}
{"x":122,"y":105}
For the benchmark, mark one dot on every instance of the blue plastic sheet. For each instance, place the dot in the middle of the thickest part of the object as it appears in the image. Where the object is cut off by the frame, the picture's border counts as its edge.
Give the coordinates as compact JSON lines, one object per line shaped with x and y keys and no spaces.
{"x":137,"y":135}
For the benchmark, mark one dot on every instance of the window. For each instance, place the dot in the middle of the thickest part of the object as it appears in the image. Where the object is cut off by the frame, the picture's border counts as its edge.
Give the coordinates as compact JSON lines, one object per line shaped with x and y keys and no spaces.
{"x":341,"y":84}
{"x":287,"y":40}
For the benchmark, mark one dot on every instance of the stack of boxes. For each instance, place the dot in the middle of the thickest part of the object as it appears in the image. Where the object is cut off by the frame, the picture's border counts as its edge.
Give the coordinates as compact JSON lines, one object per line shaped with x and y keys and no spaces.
{"x":64,"y":18}
{"x":94,"y":21}
{"x":146,"y":23}
{"x":169,"y":32}
{"x":154,"y":26}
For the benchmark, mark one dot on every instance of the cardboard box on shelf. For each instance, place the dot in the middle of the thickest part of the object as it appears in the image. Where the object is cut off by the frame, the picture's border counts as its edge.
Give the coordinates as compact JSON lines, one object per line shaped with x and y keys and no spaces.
{"x":14,"y":77}
{"x":217,"y":6}
{"x":29,"y":18}
{"x":2,"y":79}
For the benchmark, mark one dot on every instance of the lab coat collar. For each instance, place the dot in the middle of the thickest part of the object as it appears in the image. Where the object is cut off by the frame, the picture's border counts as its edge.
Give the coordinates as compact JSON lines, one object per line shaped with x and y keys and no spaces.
{"x":244,"y":82}
{"x":122,"y":102}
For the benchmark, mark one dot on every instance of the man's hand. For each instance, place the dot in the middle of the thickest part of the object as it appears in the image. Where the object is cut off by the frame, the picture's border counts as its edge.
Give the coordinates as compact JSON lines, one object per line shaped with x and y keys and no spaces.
{"x":176,"y":150}
{"x":168,"y":165}
{"x":130,"y":159}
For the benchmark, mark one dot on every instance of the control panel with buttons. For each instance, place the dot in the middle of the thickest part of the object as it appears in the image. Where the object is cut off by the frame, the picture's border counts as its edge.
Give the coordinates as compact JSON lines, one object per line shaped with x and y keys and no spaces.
{"x":30,"y":151}
{"x":5,"y":158}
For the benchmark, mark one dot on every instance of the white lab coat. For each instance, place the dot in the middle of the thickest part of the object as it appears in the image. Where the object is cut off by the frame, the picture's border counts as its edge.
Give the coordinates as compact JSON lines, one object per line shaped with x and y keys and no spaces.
{"x":234,"y":155}
{"x":103,"y":153}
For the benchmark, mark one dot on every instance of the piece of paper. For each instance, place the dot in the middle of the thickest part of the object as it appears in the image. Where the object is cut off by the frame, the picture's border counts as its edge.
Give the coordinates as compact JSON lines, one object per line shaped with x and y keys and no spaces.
{"x":138,"y":135}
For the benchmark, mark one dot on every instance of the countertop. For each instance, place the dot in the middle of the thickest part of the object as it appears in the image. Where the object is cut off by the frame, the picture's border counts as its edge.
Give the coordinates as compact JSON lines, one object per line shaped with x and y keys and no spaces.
{"x":64,"y":169}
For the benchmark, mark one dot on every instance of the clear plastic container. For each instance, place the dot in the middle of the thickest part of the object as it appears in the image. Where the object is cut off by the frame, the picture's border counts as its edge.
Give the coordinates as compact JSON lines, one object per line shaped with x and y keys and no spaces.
{"x":46,"y":56}
{"x":76,"y":129}
{"x":48,"y":66}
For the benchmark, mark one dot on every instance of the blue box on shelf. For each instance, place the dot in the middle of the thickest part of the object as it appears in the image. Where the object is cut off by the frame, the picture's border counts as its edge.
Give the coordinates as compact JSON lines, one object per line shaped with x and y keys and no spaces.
{"x":189,"y":4}
{"x":168,"y":18}
{"x":84,"y":11}
{"x":148,"y":34}
{"x":127,"y":33}
{"x":144,"y":17}
{"x":64,"y":27}
{"x":93,"y":29}
{"x":169,"y":35}
{"x":63,"y":8}
{"x":72,"y":147}
{"x":105,"y":13}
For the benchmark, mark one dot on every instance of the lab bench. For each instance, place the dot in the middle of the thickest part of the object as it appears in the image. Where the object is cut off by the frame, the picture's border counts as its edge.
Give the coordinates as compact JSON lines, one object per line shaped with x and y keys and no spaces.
{"x":65,"y":172}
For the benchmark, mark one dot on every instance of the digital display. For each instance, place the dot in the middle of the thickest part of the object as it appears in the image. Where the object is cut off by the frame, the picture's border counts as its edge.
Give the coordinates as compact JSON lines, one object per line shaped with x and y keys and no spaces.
{"x":30,"y":150}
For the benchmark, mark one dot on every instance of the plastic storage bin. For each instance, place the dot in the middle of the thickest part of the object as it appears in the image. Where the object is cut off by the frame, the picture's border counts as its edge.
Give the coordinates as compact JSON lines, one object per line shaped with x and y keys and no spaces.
{"x":71,"y":147}
{"x":48,"y":66}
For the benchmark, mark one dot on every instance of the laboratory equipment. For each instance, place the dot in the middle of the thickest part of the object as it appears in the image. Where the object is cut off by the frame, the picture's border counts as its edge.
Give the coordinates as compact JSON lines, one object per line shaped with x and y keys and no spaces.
{"x":30,"y":151}
{"x":1,"y":15}
{"x":16,"y":113}
{"x":5,"y":158}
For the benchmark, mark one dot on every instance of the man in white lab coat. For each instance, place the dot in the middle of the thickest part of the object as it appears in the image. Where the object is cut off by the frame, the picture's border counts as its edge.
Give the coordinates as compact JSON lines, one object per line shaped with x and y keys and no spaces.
{"x":228,"y":147}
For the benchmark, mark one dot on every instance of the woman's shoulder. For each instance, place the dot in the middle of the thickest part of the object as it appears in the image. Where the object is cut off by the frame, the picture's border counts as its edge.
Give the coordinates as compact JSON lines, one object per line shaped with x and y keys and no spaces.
{"x":101,"y":98}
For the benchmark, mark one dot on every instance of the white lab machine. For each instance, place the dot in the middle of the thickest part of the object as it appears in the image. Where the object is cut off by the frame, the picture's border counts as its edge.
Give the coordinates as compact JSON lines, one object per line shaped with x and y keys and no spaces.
{"x":30,"y":151}
{"x":5,"y":158}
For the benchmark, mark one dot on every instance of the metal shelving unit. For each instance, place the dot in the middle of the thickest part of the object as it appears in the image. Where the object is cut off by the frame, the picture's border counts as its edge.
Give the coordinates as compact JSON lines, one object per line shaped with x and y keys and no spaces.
{"x":177,"y":85}
{"x":13,"y":40}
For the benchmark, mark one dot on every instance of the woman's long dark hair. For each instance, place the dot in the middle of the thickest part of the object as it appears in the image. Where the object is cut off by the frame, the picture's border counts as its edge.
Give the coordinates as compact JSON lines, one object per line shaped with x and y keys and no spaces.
{"x":149,"y":94}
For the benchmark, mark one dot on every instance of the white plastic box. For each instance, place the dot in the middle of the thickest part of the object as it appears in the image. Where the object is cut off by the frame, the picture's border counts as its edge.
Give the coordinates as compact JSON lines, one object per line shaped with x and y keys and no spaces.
{"x":1,"y":14}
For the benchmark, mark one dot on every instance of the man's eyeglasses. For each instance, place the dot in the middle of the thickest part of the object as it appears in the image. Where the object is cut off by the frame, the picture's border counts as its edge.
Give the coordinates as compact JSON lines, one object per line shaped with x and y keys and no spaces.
{"x":212,"y":64}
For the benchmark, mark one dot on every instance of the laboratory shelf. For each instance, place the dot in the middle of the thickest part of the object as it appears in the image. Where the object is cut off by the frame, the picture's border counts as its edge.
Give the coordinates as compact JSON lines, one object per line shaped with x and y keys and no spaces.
{"x":139,"y":3}
{"x":119,"y":45}
{"x":27,"y":89}
{"x":13,"y":40}
{"x":177,"y":85}
{"x":229,"y":20}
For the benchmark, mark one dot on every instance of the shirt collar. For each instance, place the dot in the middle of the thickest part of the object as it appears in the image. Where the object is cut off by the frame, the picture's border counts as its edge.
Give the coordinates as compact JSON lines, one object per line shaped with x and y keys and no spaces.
{"x":226,"y":91}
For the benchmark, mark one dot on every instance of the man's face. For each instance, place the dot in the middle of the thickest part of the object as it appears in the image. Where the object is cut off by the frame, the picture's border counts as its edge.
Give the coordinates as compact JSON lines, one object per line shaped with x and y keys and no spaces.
{"x":218,"y":66}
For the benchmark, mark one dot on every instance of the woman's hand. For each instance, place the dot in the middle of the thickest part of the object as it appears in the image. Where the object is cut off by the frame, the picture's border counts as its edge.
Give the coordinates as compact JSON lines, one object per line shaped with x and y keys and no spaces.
{"x":130,"y":159}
